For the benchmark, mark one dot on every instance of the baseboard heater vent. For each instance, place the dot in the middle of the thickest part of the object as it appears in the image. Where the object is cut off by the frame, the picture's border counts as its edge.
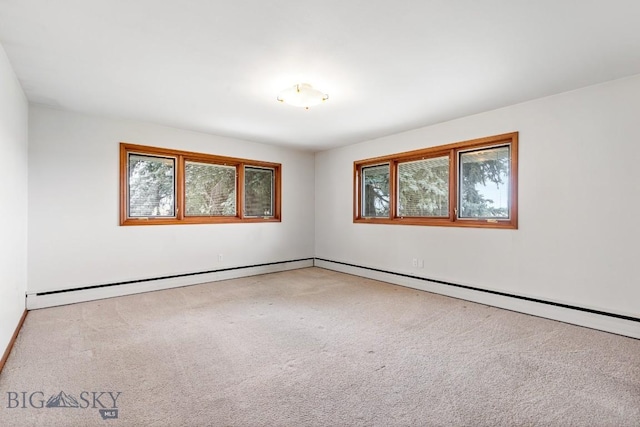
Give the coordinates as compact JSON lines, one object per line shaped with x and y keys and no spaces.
{"x":58,"y":297}
{"x":173,"y":276}
{"x":486,"y":291}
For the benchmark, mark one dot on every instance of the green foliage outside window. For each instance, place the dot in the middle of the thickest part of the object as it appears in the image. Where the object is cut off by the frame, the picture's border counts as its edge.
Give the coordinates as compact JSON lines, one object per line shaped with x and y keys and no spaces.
{"x":210,"y":190}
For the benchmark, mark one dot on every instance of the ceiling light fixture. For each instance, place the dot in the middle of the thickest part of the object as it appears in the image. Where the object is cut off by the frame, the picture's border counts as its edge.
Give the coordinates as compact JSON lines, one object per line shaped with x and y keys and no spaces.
{"x":302,"y":95}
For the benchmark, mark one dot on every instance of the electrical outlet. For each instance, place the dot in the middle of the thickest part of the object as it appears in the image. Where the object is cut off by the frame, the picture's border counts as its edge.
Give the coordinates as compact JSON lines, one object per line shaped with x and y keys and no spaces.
{"x":415,"y":262}
{"x":220,"y":257}
{"x":420,"y":263}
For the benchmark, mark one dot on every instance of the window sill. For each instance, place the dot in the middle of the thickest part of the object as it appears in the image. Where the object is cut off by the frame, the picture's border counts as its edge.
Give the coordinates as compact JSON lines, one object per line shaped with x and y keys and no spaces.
{"x":469,"y":223}
{"x":195,"y":220}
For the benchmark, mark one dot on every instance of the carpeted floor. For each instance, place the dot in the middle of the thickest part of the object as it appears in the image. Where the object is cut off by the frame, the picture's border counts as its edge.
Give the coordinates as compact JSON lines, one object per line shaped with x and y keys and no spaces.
{"x":312,"y":347}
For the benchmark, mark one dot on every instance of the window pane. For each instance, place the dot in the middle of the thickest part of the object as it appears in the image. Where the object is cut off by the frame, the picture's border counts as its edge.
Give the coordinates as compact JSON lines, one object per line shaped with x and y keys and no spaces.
{"x":258,"y":191}
{"x":484,"y":183}
{"x":375,"y":191}
{"x":210,"y":190}
{"x":151,"y":186}
{"x":423,"y":188}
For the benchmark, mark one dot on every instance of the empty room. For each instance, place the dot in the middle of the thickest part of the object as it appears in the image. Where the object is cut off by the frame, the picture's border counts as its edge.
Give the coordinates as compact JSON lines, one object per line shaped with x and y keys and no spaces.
{"x":304,"y":213}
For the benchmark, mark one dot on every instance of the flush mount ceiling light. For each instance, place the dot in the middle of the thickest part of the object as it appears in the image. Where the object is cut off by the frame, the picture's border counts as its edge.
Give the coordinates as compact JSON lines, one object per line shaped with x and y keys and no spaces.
{"x":302,"y":95}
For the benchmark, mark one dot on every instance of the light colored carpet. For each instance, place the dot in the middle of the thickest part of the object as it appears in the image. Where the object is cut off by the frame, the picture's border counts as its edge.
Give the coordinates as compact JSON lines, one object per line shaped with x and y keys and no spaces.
{"x":313,"y":347}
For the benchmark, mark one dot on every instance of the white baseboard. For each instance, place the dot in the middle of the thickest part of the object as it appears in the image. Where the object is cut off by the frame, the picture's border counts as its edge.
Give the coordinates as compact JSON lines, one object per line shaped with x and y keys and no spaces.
{"x":35,"y":301}
{"x":601,"y":322}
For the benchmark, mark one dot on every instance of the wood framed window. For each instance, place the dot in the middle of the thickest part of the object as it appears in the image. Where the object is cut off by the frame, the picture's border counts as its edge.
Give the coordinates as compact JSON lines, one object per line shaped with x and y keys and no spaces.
{"x":465,"y":184}
{"x":164,"y":186}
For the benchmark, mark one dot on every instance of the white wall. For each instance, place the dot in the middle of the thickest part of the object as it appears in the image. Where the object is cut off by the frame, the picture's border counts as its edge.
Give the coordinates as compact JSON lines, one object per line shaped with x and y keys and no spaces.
{"x":13,"y":200}
{"x":579,"y":198}
{"x":74,"y":236}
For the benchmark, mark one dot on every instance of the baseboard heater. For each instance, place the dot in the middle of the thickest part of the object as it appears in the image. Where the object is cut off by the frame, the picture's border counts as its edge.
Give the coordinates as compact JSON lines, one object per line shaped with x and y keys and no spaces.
{"x":583,"y":316}
{"x":588,"y":317}
{"x":128,"y":287}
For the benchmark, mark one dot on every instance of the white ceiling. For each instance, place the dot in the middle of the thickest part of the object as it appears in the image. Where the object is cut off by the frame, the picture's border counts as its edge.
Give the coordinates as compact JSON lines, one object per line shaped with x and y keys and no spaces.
{"x":388,"y":66}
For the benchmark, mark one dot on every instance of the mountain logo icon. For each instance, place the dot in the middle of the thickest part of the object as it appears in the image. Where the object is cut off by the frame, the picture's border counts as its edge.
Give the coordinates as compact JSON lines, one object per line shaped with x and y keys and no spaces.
{"x":62,"y":400}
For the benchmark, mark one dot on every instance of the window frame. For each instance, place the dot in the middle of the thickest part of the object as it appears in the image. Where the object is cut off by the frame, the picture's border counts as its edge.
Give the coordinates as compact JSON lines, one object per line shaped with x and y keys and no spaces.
{"x":452,"y":152}
{"x":236,"y":189}
{"x":174,"y":161}
{"x":179,"y":191}
{"x":244,"y":193}
{"x":375,"y":165}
